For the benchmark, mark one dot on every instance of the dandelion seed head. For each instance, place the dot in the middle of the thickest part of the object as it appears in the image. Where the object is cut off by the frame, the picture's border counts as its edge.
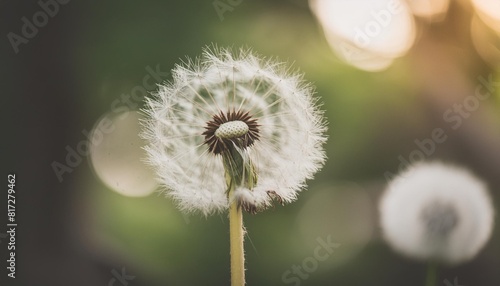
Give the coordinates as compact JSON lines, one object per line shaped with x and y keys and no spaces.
{"x":224,"y":101}
{"x":434,"y":211}
{"x":232,"y":129}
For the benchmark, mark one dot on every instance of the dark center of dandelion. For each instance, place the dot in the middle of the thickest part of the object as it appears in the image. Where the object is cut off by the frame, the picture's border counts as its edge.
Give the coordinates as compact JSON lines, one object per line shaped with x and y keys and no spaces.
{"x":440,"y":219}
{"x":233,"y":127}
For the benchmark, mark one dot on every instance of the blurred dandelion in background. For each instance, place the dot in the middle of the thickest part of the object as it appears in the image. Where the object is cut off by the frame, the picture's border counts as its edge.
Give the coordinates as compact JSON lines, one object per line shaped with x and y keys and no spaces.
{"x":437,"y":212}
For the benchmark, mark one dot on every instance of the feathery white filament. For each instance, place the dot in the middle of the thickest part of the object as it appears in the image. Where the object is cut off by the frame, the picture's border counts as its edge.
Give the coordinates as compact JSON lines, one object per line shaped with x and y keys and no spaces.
{"x":435,"y":211}
{"x":291,"y":130}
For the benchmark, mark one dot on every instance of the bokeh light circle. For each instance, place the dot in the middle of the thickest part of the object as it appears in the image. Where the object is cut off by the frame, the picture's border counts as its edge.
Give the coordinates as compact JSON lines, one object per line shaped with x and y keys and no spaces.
{"x":367,"y":34}
{"x":345,"y":213}
{"x":117,"y":157}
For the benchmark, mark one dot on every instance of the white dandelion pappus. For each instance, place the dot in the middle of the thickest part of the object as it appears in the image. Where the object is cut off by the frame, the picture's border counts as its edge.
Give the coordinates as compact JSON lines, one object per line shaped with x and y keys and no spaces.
{"x":434,"y":211}
{"x":223,"y":101}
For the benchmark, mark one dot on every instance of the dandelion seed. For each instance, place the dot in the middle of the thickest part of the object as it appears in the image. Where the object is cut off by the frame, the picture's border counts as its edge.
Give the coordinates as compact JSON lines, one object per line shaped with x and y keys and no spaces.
{"x":437,"y":212}
{"x":237,"y":118}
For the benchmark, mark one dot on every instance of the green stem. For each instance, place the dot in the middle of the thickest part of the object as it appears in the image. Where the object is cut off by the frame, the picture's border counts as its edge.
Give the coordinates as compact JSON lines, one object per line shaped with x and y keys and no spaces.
{"x":431,"y":274}
{"x":236,"y":233}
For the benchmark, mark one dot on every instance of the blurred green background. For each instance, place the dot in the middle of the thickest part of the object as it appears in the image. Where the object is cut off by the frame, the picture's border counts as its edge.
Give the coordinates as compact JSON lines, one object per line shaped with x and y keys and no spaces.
{"x":89,"y":62}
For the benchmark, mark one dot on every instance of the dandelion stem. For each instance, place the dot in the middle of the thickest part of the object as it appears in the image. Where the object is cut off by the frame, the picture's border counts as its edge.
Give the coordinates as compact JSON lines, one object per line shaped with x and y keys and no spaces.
{"x":431,"y":274}
{"x":236,"y":233}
